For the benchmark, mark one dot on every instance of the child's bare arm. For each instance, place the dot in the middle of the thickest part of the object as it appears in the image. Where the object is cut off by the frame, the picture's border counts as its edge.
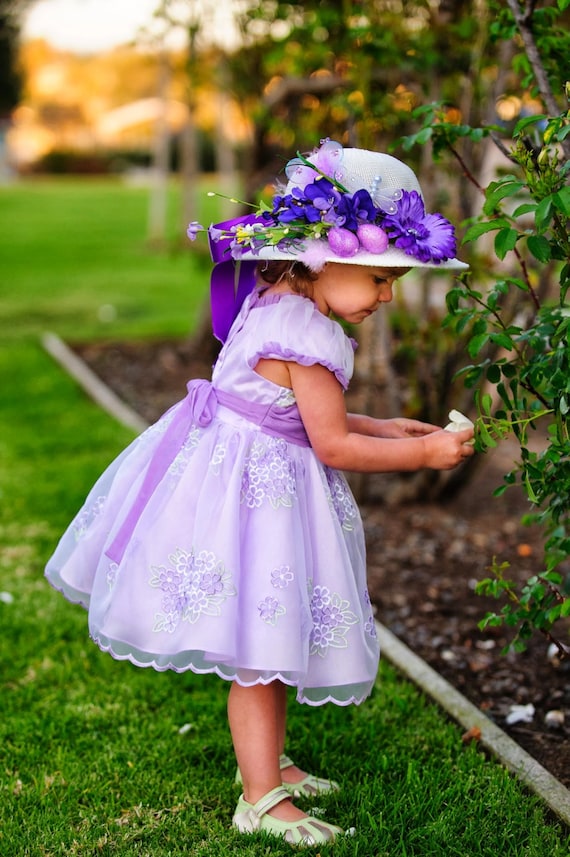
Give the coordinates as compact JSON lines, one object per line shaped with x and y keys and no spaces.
{"x":336,"y":443}
{"x":395,"y":427}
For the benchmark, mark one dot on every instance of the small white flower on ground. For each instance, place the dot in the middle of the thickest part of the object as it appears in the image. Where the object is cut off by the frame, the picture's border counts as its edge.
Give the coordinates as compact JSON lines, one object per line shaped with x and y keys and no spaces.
{"x":520,"y":714}
{"x":186,"y":727}
{"x":6,"y":598}
{"x":317,"y":811}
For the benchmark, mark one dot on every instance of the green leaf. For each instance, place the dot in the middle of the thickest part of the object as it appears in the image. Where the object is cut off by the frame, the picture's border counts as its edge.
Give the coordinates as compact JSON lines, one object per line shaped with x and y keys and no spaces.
{"x":471,"y":376}
{"x":505,"y":240}
{"x":484,"y":437}
{"x":561,"y":199}
{"x":452,"y":299}
{"x":525,"y":208}
{"x":539,"y":247}
{"x":528,"y":120}
{"x":543,"y":214}
{"x":502,"y":339}
{"x":478,"y":229}
{"x":500,"y":192}
{"x":498,"y":492}
{"x":420,"y":138}
{"x":424,"y":135}
{"x":480,"y":326}
{"x":476,"y":344}
{"x":486,"y":404}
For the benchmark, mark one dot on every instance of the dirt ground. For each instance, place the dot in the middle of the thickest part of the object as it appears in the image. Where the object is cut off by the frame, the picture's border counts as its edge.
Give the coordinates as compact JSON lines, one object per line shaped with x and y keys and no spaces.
{"x":423,"y":560}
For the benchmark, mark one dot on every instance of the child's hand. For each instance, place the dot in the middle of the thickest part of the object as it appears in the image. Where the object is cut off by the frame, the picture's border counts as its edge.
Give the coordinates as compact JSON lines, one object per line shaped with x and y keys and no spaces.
{"x":446,"y":449}
{"x":458,"y":421}
{"x":403,"y":427}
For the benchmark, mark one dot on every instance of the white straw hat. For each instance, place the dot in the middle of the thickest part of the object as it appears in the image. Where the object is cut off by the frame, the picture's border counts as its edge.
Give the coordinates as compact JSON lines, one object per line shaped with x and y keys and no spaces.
{"x":350,"y":206}
{"x":369,"y":208}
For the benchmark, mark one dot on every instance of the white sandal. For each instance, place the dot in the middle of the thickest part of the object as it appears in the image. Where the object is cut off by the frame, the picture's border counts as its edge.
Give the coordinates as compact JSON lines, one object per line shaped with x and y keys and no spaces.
{"x":309,"y":786}
{"x":252,"y":817}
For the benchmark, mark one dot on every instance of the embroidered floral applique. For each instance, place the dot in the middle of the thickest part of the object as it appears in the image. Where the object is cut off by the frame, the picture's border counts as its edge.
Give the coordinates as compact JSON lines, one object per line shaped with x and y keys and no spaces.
{"x":332,"y":619}
{"x":268,"y":474}
{"x":270,"y":609}
{"x":341,"y":499}
{"x":194,"y":584}
{"x":370,"y":626}
{"x":217,"y":458}
{"x":112,"y":572}
{"x":159,"y":427}
{"x":86,"y":516}
{"x":286,"y":398}
{"x":281,"y":577}
{"x":186,"y":452}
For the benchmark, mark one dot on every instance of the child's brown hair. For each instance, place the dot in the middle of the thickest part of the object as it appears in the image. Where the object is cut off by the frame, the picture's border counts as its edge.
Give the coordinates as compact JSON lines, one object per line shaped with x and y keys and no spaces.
{"x":299,"y":277}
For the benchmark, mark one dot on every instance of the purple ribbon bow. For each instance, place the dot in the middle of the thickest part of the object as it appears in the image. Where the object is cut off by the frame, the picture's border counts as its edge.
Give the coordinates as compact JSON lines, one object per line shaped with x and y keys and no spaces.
{"x":232,"y":279}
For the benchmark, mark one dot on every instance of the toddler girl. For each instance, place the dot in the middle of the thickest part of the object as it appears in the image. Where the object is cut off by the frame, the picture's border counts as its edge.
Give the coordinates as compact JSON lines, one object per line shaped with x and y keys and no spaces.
{"x":225,"y":538}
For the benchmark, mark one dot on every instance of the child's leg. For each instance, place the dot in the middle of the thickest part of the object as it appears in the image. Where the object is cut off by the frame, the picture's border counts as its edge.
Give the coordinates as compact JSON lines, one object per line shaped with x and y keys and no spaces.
{"x":257,"y":722}
{"x":290,"y":774}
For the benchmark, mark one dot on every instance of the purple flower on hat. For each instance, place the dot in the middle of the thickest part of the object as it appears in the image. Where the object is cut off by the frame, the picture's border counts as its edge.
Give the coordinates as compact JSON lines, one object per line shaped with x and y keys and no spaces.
{"x":355,"y":208}
{"x":363,"y":206}
{"x":193,"y":229}
{"x":323,"y":201}
{"x":426,"y":237}
{"x":287,"y":208}
{"x":215,"y":233}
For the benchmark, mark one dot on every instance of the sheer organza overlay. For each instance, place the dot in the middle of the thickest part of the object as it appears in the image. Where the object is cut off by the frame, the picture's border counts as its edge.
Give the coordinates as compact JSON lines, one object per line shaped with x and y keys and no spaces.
{"x":217,"y":542}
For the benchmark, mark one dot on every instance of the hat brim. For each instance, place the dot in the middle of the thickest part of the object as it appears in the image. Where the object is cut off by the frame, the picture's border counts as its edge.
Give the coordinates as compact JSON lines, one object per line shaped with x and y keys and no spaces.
{"x":392,"y":257}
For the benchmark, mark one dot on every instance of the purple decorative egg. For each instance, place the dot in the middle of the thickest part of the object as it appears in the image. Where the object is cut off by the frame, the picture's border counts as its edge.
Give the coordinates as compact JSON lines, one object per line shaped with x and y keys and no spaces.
{"x":372,"y":238}
{"x":343,"y":242}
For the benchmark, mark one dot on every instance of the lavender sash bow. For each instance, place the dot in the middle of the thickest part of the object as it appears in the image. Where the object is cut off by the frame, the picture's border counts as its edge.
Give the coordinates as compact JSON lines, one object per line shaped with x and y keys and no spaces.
{"x":199,"y":408}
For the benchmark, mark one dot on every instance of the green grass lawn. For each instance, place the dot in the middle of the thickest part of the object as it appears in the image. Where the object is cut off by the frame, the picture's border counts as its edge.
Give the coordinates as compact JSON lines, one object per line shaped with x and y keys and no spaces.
{"x":75,"y":259}
{"x":98,"y":757}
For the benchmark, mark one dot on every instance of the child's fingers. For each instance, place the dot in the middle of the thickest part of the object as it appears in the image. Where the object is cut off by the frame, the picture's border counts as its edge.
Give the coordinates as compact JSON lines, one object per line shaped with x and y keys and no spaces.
{"x":464,"y":435}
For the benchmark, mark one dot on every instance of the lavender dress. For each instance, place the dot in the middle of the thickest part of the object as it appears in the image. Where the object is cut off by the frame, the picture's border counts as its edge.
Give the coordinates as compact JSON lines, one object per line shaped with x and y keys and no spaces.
{"x":217,"y":542}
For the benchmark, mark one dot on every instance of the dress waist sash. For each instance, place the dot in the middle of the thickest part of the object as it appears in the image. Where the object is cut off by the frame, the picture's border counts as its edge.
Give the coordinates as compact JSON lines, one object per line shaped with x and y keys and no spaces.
{"x":202,"y":403}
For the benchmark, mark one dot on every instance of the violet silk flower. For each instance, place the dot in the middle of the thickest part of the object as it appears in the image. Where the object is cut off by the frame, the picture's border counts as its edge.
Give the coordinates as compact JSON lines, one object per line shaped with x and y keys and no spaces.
{"x":427,"y":237}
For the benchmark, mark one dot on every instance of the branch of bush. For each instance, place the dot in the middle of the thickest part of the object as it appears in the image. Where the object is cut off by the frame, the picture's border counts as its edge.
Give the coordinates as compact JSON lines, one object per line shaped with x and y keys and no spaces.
{"x":518,"y":342}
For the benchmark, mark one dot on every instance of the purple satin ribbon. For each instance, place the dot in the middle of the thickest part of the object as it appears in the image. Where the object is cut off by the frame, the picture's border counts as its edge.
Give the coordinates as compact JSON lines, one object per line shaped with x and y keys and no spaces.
{"x":199,"y":408}
{"x":232,"y":279}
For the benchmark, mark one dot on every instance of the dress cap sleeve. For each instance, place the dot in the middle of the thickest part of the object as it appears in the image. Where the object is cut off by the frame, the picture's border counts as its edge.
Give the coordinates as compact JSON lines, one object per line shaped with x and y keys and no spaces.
{"x":293,"y":329}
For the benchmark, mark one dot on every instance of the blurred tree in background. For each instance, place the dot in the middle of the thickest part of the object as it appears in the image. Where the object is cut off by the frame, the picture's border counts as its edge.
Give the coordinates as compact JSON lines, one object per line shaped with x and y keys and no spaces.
{"x":10,"y":79}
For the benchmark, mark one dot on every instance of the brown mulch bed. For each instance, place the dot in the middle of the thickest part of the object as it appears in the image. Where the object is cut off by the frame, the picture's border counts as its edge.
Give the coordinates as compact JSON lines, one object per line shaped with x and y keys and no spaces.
{"x":423,"y":558}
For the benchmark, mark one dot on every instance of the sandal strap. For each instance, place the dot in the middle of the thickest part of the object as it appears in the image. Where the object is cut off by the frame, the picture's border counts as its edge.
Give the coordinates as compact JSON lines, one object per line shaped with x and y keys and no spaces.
{"x":271,"y":799}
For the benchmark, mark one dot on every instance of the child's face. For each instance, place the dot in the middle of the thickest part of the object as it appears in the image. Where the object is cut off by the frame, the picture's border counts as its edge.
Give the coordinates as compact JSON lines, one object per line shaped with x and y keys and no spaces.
{"x":353,"y":292}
